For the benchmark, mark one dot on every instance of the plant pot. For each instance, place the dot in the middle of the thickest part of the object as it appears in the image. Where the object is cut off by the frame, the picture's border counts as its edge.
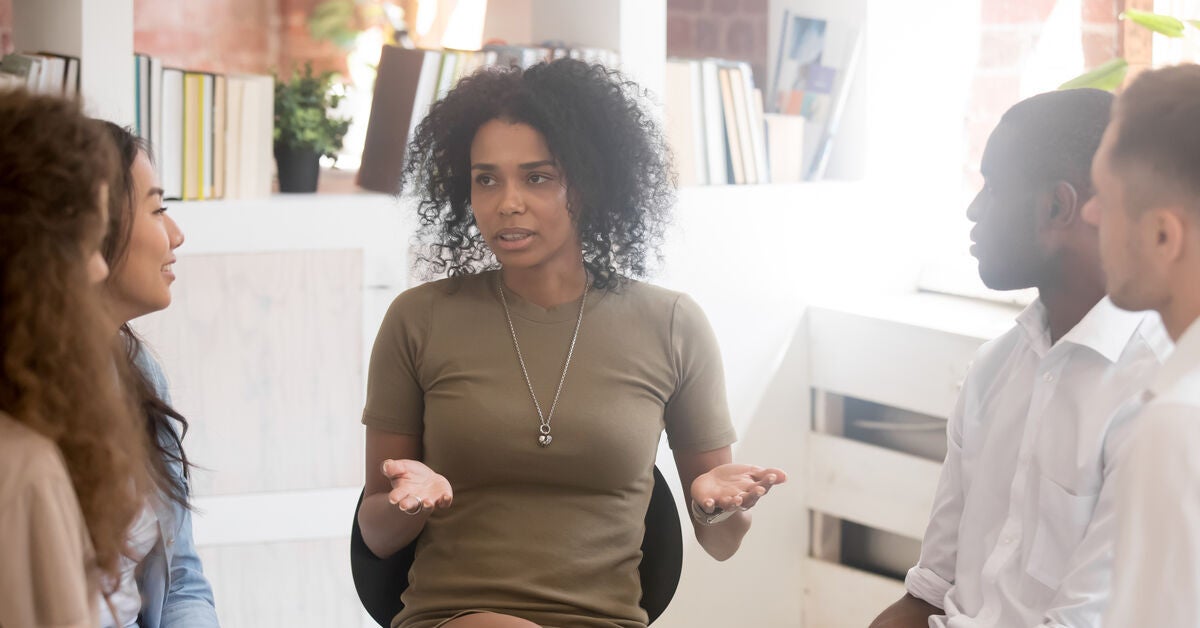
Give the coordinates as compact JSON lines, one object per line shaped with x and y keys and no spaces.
{"x":298,"y":168}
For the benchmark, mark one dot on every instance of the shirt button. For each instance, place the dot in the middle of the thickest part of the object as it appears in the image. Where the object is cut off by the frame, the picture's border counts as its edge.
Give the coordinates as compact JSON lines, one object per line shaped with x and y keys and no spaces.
{"x":1048,"y":378}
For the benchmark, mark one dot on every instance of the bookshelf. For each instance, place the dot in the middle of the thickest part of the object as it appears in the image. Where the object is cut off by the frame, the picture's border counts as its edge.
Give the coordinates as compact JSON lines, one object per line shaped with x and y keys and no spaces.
{"x":99,"y":33}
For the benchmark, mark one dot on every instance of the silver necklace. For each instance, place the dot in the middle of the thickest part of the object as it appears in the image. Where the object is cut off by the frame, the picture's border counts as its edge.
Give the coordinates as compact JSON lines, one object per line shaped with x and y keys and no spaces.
{"x":544,"y":438}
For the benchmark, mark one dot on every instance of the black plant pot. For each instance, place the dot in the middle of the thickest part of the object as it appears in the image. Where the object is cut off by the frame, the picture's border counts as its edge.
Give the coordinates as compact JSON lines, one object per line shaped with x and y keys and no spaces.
{"x":298,"y":168}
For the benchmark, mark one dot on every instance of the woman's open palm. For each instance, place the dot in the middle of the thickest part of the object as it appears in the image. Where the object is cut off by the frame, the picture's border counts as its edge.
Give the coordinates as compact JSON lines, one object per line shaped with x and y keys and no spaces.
{"x":730,"y":486}
{"x":416,"y":487}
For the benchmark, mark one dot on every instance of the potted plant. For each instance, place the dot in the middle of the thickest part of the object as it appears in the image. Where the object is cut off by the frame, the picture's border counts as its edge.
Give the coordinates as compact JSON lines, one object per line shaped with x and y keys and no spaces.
{"x":304,"y":128}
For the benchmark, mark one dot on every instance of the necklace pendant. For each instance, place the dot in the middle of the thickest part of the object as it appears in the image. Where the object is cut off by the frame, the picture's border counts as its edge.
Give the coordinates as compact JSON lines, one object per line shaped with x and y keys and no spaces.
{"x":544,"y":440}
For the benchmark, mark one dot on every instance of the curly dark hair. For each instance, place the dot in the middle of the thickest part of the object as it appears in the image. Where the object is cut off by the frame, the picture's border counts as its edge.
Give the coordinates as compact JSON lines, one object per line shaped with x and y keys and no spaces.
{"x":612,"y":152}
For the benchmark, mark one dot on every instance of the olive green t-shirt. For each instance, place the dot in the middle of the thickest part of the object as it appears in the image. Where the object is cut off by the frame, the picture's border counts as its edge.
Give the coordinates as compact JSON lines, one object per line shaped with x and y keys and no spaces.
{"x":551,"y":534}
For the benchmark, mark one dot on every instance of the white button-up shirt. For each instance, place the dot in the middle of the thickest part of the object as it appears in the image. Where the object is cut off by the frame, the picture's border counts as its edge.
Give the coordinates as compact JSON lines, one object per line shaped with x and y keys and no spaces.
{"x":1021,"y":532}
{"x":1157,"y":581}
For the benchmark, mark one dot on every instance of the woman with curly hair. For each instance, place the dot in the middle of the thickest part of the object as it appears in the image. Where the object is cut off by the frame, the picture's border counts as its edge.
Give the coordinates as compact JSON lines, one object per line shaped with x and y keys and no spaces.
{"x":514,"y":409}
{"x":162,"y":580}
{"x":72,"y":458}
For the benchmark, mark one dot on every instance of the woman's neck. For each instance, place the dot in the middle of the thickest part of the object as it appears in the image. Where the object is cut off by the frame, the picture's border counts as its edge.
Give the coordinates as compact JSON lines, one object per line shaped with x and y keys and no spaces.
{"x":546,"y":287}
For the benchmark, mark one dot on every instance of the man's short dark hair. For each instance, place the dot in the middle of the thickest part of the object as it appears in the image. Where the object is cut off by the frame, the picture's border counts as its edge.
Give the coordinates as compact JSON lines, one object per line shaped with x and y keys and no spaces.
{"x":1061,"y":131}
{"x":1157,"y":146}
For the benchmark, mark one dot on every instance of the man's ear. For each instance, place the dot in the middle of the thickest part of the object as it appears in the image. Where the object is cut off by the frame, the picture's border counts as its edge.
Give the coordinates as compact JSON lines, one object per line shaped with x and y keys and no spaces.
{"x":1167,"y":230}
{"x":1065,"y":205}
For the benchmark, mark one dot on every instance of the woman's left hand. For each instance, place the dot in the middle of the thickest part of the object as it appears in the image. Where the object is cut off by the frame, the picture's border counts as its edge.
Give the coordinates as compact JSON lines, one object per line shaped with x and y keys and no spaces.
{"x":731,"y":486}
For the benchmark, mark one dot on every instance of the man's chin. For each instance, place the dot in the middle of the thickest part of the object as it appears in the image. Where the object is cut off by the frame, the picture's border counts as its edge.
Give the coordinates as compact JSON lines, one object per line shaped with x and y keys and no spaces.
{"x":1000,"y":281}
{"x":1125,"y":301}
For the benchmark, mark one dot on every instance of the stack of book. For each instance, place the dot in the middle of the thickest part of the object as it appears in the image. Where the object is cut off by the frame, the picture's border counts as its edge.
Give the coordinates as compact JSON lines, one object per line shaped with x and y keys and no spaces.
{"x":715,"y":123}
{"x":410,"y":80}
{"x":41,"y":73}
{"x":211,"y":134}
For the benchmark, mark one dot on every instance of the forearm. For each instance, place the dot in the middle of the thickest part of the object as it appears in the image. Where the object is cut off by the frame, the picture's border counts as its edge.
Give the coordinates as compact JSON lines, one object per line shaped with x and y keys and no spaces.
{"x":723,"y":539}
{"x":908,"y":612}
{"x":385,"y":529}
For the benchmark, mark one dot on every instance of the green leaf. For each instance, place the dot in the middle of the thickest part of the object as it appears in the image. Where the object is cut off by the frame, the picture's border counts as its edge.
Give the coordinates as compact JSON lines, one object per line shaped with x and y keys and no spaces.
{"x":333,"y":20}
{"x":1107,"y":77}
{"x":302,"y":105}
{"x":1162,"y":24}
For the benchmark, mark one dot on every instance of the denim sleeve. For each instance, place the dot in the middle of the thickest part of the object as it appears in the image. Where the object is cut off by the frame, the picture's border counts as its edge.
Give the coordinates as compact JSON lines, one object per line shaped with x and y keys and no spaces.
{"x":189,"y":599}
{"x":189,"y":602}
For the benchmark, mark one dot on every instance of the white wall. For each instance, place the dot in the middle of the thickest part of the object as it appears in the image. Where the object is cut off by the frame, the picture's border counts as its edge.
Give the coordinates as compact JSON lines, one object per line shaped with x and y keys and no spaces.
{"x":752,"y":256}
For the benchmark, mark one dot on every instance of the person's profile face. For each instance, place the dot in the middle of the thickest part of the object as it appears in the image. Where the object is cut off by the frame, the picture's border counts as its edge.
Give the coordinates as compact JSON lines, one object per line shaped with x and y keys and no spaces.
{"x":1129,"y":276}
{"x":142,"y":277}
{"x":1004,"y":238}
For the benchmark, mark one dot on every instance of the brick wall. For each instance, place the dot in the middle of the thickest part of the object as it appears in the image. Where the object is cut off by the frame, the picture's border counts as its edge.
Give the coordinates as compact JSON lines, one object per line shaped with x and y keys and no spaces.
{"x":1008,"y":34}
{"x":6,"y":20}
{"x":224,"y":36}
{"x":729,"y":29}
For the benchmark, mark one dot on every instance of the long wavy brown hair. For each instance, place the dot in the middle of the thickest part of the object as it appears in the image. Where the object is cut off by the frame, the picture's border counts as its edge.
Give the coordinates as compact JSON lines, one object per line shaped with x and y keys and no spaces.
{"x":60,"y":369}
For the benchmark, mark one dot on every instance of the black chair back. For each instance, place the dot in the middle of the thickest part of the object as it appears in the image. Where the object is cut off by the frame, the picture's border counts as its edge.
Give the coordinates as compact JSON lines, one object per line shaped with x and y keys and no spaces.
{"x":381,"y":581}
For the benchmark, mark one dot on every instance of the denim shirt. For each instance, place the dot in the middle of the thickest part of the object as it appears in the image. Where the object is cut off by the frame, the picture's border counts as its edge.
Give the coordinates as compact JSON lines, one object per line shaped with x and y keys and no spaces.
{"x":175,"y":593}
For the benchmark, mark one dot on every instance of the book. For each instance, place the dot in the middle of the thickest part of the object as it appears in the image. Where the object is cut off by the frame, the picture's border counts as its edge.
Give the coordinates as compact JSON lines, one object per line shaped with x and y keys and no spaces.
{"x":171,"y":142}
{"x":733,"y":142}
{"x":23,"y":67}
{"x":392,"y":109}
{"x":785,"y":147}
{"x":715,"y":143}
{"x":72,"y":87}
{"x":682,"y":116}
{"x":741,"y":111}
{"x":193,"y":136}
{"x":755,"y":124}
{"x":141,"y":101}
{"x":220,"y":106}
{"x":207,"y":93}
{"x":156,"y":106}
{"x":427,"y":86}
{"x":235,"y":89}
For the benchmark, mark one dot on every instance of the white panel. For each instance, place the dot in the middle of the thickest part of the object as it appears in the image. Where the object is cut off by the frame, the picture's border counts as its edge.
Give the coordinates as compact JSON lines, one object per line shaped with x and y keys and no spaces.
{"x":907,"y":366}
{"x":841,"y":597}
{"x":283,"y":584}
{"x":264,"y":353}
{"x":870,"y":485}
{"x":273,"y":517}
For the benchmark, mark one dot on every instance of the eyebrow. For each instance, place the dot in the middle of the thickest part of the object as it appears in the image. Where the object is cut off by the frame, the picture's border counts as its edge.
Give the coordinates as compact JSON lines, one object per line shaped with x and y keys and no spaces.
{"x":533,"y":165}
{"x":155,"y":192}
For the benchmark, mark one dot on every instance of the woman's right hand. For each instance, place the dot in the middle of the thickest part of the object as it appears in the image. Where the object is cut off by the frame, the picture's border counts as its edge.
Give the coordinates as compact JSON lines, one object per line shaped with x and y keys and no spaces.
{"x":415,"y":487}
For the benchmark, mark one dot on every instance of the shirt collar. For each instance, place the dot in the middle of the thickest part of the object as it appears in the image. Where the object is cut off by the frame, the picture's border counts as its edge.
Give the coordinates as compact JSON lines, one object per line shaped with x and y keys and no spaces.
{"x":1033,"y":322}
{"x":1105,"y":329}
{"x":1185,"y":359}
